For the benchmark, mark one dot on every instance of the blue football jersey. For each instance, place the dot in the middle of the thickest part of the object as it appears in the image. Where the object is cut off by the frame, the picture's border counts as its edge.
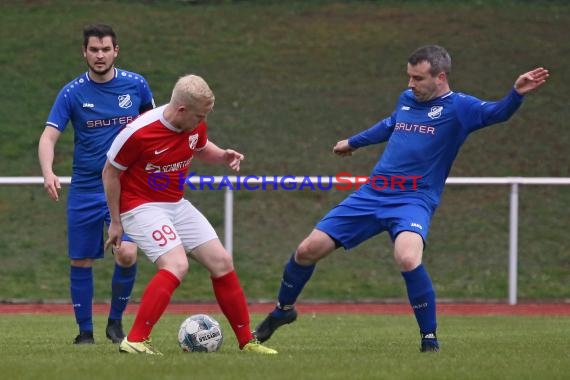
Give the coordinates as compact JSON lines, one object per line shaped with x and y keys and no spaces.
{"x":424,"y":139}
{"x":97,"y":112}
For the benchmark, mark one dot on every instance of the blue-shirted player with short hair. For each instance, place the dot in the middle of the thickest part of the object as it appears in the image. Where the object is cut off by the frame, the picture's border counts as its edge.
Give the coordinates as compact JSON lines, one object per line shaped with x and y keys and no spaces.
{"x":98,"y":103}
{"x":423,"y":135}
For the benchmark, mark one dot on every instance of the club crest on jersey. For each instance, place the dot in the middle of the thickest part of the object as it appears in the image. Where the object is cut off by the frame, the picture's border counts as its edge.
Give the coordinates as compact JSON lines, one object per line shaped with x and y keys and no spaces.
{"x":193,"y":140}
{"x":435,"y":112}
{"x":125,"y":101}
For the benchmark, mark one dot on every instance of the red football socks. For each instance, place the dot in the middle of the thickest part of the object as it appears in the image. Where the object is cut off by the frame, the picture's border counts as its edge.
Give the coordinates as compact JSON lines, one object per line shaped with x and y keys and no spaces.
{"x":232,"y":301}
{"x":154,"y":301}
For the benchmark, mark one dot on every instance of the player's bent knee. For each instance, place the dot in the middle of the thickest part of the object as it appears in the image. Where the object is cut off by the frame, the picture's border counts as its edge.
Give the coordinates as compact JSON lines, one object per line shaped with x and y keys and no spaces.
{"x":178,"y":268}
{"x":221,"y":266}
{"x":82,"y":263}
{"x":408,"y":262}
{"x":126,"y":259}
{"x":309,"y":252}
{"x":174,"y":261}
{"x":225,"y":263}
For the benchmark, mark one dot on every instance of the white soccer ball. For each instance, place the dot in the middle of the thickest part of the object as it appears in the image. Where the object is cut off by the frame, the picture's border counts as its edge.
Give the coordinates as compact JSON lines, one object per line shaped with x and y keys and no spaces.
{"x":200,"y":333}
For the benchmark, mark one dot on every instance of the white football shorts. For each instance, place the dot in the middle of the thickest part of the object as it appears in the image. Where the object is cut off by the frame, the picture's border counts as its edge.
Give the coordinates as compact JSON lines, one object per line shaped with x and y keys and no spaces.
{"x":157,"y":227}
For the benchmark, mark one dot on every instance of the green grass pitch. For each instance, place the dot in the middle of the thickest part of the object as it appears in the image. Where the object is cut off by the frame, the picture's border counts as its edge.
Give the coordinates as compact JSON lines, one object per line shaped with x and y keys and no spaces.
{"x":315,"y":347}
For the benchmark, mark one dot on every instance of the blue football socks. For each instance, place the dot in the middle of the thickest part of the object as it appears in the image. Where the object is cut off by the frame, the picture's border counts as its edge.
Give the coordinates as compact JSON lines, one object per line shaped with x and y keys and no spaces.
{"x":295,"y":277}
{"x":422,"y":298}
{"x":81,"y":287}
{"x":121,"y":288}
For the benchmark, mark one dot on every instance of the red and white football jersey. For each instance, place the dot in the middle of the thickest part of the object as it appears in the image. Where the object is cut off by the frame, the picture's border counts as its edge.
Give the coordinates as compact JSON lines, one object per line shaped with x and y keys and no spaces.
{"x":155,"y":158}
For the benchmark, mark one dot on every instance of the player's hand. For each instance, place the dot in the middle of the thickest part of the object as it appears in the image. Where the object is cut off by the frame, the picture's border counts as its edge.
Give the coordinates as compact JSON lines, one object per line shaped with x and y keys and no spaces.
{"x":115,"y":238}
{"x":233,"y":159}
{"x":52,"y":186}
{"x":342,"y":148}
{"x":531,"y":80}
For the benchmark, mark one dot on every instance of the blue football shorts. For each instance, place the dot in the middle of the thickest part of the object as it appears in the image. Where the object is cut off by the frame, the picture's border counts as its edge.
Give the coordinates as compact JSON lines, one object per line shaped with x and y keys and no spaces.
{"x":362,"y":215}
{"x":87,"y":218}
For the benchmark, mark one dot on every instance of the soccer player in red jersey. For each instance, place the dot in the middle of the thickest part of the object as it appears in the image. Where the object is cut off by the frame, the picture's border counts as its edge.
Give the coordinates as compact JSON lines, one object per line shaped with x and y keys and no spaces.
{"x":144,"y":183}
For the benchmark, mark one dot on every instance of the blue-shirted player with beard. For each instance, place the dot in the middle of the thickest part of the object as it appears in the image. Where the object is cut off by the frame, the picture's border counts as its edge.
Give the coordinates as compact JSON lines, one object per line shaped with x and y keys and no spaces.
{"x":99,"y":103}
{"x":423,"y":135}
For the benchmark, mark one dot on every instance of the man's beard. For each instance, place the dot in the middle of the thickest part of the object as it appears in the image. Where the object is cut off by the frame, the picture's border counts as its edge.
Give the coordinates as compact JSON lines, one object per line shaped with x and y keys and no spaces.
{"x":101,"y":72}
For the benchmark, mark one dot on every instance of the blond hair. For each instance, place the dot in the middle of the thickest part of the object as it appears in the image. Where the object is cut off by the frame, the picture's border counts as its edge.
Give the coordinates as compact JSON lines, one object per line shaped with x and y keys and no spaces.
{"x":191,"y":90}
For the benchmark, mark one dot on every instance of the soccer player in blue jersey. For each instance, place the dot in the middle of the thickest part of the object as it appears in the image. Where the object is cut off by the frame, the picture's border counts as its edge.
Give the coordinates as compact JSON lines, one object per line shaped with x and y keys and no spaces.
{"x":423,"y":135}
{"x":99,"y":103}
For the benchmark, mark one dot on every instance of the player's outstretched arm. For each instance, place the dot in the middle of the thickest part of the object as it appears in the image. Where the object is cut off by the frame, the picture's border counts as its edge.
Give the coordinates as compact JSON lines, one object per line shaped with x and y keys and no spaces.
{"x":531,"y":80}
{"x":46,"y":152}
{"x":343,"y":148}
{"x":213,"y":154}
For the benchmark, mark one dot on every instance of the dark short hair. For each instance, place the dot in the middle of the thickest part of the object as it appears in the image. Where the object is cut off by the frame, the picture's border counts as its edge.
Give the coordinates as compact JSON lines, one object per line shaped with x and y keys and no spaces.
{"x":99,"y":31}
{"x":435,"y":55}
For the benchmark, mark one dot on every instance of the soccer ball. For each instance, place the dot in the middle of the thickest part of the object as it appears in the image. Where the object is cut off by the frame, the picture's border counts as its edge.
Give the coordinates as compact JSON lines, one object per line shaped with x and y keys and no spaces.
{"x":200,"y":333}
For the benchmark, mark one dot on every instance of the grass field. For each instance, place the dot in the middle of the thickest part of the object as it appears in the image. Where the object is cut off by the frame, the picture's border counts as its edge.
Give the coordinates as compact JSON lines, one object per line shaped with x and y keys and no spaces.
{"x":315,"y":347}
{"x":291,"y":78}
